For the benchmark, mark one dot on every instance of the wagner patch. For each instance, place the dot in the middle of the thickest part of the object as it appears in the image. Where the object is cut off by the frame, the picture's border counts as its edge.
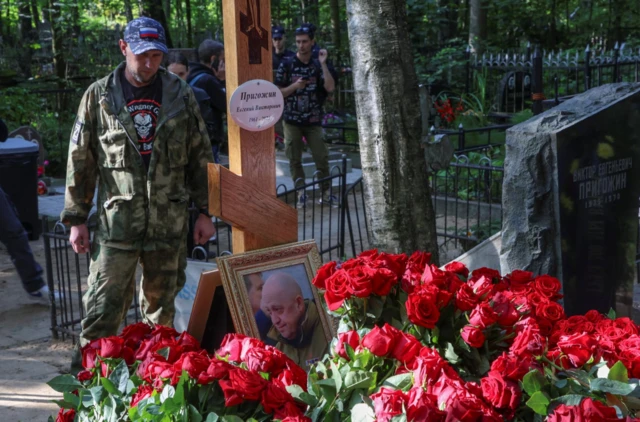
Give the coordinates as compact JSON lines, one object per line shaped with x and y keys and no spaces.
{"x":77,"y":129}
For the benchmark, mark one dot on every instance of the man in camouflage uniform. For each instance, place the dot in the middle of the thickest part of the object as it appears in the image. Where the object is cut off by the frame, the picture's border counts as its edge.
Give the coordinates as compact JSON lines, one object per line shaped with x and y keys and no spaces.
{"x":140,"y":134}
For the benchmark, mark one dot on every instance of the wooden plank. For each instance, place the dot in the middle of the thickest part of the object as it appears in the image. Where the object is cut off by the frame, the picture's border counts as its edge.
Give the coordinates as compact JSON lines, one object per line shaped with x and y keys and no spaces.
{"x":247,"y":31}
{"x":209,"y":281}
{"x":248,"y":208}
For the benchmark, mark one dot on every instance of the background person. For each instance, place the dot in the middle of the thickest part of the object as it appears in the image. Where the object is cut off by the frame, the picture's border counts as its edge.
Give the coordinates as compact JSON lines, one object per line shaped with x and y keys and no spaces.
{"x":210,"y":75}
{"x":296,"y":322}
{"x":305,"y":83}
{"x":146,"y":178}
{"x":280,"y":50}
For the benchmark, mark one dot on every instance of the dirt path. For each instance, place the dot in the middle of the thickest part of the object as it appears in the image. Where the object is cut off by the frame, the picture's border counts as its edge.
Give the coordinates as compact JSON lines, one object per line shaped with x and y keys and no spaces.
{"x":28,"y":356}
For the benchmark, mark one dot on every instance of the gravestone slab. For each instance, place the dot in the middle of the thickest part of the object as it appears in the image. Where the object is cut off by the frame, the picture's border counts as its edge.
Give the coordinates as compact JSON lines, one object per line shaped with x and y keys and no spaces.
{"x":570,"y":197}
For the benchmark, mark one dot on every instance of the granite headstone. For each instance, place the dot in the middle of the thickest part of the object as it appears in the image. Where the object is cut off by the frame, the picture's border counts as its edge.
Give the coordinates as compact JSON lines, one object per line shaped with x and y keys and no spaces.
{"x":570,"y":197}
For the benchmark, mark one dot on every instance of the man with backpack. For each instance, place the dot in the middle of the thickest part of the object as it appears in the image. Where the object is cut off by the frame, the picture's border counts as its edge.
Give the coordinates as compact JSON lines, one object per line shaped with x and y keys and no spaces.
{"x":209,"y":75}
{"x":305,"y":83}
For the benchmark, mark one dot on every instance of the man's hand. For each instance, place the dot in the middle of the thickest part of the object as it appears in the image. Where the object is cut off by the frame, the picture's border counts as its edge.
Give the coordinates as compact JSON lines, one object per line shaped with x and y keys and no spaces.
{"x":300,"y":83}
{"x":220,"y":72}
{"x":204,"y":230}
{"x":79,"y":238}
{"x":322,"y":56}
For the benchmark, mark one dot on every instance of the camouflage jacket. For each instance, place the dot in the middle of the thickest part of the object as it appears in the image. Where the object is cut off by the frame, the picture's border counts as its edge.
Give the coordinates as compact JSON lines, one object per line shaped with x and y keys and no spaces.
{"x":137,"y":208}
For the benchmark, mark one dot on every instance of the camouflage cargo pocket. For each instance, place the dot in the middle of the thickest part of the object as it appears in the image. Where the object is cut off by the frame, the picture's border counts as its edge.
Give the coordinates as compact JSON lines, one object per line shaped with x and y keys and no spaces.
{"x":112,"y":149}
{"x":175,"y":220}
{"x":177,"y":217}
{"x":124,"y":218}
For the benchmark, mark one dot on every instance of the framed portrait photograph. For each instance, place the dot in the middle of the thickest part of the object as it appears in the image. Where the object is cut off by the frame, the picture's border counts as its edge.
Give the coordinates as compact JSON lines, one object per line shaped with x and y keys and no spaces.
{"x":271,"y":298}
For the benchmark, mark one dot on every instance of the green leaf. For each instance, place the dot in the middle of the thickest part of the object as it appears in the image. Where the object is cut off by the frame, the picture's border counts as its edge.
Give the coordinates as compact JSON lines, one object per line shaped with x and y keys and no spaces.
{"x":538,"y":403}
{"x":611,"y":386}
{"x":64,"y":404}
{"x":98,"y":393}
{"x":64,"y":383}
{"x":108,"y":385}
{"x":611,"y":314}
{"x":618,"y":372}
{"x":120,"y":376}
{"x":167,"y":392}
{"x":358,"y":379}
{"x":298,"y":393}
{"x":350,"y":352}
{"x":362,"y":413}
{"x":400,"y":382}
{"x":450,"y":354}
{"x":335,"y":375}
{"x":399,"y":418}
{"x":231,"y":418}
{"x":71,"y":398}
{"x":164,"y":352}
{"x":580,"y":375}
{"x":569,"y":399}
{"x":533,"y":382}
{"x":179,"y":394}
{"x":327,"y":389}
{"x":194,"y":415}
{"x":212,"y":417}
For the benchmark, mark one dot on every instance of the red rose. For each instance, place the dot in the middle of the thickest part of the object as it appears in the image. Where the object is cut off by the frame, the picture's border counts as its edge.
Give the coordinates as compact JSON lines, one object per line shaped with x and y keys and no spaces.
{"x":293,"y":374}
{"x":383,"y":280}
{"x":422,"y":309}
{"x":160,"y":370}
{"x":483,"y":316}
{"x":66,"y":415}
{"x":627,"y":325}
{"x":510,"y":367}
{"x":556,"y":356}
{"x":466,"y":299}
{"x":235,"y":347}
{"x":500,"y":392}
{"x":361,"y":281}
{"x":423,"y":407}
{"x":594,"y":410}
{"x":631,"y":360}
{"x":194,"y":363}
{"x":528,"y":342}
{"x":144,"y":391}
{"x":128,"y":355}
{"x":84,"y":376}
{"x":89,"y":354}
{"x":427,"y":367}
{"x":507,"y":313}
{"x":396,"y":263}
{"x":290,"y":412}
{"x":548,"y":286}
{"x":464,"y":407}
{"x":564,"y":413}
{"x":578,"y":348}
{"x":261,"y":360}
{"x":458,"y":268}
{"x":351,"y":338}
{"x":323,"y":273}
{"x":593,"y":316}
{"x":406,"y":348}
{"x":275,"y":396}
{"x":519,"y":278}
{"x":388,"y":403}
{"x":551,"y":311}
{"x":380,"y":341}
{"x":219,"y":369}
{"x":242,"y":385}
{"x":490,"y":273}
{"x":168,"y":345}
{"x":164,"y":332}
{"x":414,"y":269}
{"x":473,"y":336}
{"x":337,"y":289}
{"x":188,"y":342}
{"x":608,"y":329}
{"x":134,"y":334}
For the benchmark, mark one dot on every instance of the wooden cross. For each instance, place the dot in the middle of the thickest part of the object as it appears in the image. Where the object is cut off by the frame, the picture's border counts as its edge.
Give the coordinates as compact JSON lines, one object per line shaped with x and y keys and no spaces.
{"x":245,"y":195}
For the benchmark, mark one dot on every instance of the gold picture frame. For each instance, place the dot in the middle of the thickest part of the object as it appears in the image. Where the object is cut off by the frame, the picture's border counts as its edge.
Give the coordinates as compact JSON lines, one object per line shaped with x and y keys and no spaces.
{"x":271,"y":269}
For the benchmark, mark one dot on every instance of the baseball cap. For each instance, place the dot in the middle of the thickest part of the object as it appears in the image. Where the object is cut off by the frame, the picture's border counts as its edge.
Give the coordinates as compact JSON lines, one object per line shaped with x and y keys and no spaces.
{"x":277,"y":31}
{"x":144,"y":34}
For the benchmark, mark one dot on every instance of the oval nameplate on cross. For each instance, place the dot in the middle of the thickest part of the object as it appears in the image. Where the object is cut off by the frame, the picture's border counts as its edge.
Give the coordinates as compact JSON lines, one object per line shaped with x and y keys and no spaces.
{"x":256,"y":105}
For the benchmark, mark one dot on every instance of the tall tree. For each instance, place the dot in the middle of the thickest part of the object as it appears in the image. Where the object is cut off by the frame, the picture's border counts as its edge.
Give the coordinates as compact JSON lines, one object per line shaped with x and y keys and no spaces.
{"x":399,"y":209}
{"x":336,"y":36}
{"x":154,"y":9}
{"x":128,"y":11}
{"x":477,"y":26}
{"x":26,"y":36}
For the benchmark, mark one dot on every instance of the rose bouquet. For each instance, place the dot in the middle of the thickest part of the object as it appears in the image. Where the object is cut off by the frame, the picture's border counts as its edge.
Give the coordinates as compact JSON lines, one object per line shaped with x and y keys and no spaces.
{"x":160,"y":375}
{"x":417,"y":342}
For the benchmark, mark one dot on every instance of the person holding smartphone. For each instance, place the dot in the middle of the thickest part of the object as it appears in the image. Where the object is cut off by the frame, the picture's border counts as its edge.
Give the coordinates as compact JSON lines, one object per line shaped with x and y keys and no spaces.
{"x":209,"y":75}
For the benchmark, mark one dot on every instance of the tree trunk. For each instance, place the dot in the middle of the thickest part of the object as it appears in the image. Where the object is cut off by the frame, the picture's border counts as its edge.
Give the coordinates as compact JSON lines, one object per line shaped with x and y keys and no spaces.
{"x":25,"y":30}
{"x":335,"y":26}
{"x":396,"y":186}
{"x":187,"y":6}
{"x":34,"y":14}
{"x":57,"y":35}
{"x":128,"y":11}
{"x":477,"y":26}
{"x":154,"y":10}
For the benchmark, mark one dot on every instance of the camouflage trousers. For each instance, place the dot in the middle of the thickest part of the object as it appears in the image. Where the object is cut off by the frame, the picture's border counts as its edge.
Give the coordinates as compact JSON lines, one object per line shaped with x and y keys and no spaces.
{"x":112,"y":274}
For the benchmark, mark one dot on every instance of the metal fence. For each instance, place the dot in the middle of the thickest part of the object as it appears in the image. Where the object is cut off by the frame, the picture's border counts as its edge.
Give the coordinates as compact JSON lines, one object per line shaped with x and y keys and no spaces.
{"x":514,"y":81}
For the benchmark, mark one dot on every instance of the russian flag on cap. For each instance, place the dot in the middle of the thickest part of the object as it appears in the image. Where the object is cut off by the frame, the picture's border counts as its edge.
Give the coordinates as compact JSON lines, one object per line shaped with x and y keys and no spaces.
{"x":149,"y":33}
